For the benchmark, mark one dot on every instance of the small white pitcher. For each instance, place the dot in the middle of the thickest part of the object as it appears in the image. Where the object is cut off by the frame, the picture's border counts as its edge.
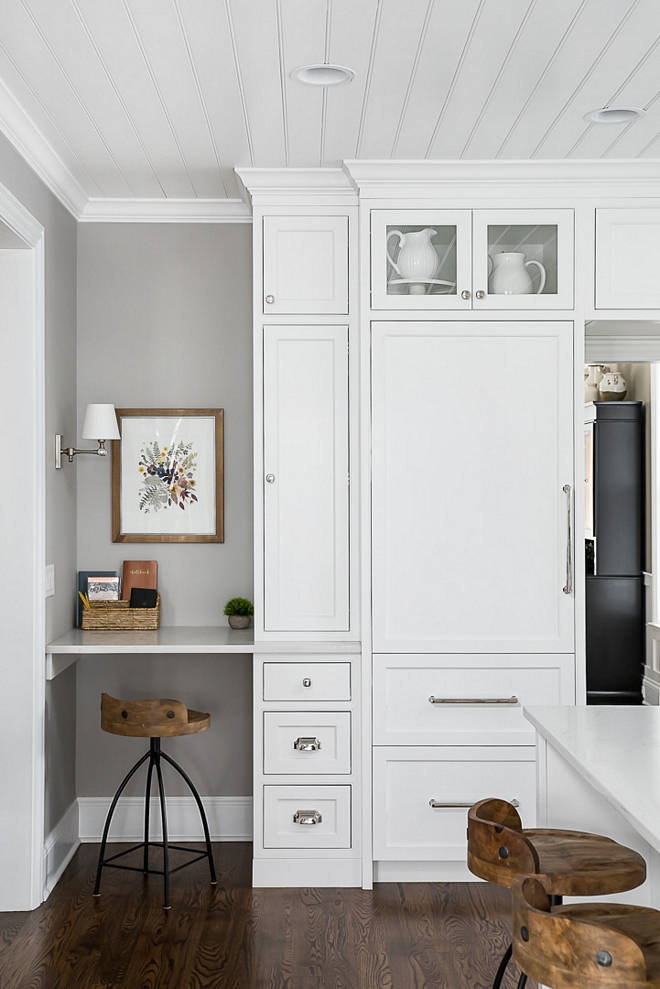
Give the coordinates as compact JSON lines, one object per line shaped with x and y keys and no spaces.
{"x":418,"y":261}
{"x":509,"y":275}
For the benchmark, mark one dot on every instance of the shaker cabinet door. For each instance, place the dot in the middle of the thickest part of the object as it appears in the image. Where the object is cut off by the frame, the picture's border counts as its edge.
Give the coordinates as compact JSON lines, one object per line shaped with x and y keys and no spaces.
{"x":627,"y":258}
{"x":305,"y":264}
{"x":305,"y":487}
{"x":472,"y":450}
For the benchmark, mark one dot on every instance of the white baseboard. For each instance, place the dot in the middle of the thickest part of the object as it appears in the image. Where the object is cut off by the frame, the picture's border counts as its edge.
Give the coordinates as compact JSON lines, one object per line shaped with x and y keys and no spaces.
{"x":307,"y":872}
{"x":423,"y":872}
{"x":60,"y":846}
{"x":230,"y":818}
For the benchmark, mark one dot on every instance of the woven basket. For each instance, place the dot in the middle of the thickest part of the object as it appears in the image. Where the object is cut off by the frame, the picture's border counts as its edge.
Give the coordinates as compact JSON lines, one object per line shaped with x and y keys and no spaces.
{"x":118,"y":615}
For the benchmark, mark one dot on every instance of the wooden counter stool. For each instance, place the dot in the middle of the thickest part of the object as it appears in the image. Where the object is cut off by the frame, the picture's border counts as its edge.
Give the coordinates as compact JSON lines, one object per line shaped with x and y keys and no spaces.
{"x":569,"y":863}
{"x":590,"y":945}
{"x":153,"y":719}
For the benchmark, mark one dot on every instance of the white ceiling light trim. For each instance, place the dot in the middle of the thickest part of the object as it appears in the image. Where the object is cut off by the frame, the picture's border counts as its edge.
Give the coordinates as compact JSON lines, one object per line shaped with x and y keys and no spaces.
{"x":323,"y":74}
{"x":615,"y":115}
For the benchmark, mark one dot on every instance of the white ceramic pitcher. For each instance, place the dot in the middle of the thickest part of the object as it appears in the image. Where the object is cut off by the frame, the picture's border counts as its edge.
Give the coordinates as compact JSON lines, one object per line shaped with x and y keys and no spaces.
{"x":417,"y":261}
{"x":510,"y":276}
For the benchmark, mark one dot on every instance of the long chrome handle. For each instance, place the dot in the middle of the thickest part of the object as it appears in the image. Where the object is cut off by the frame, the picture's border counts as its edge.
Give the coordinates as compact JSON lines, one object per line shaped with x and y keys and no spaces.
{"x":440,"y":805}
{"x":568,"y":586}
{"x":473,"y":700}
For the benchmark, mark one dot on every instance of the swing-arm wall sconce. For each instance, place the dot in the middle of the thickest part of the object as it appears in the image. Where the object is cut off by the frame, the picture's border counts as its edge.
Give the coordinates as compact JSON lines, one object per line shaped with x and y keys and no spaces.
{"x":100,"y":424}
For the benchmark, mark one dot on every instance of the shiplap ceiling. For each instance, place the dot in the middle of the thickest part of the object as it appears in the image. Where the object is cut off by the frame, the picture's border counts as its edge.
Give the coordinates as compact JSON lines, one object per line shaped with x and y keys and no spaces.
{"x":118,"y":102}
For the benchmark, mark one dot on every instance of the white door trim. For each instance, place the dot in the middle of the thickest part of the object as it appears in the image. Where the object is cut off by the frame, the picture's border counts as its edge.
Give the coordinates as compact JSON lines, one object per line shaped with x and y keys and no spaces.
{"x":33,"y":499}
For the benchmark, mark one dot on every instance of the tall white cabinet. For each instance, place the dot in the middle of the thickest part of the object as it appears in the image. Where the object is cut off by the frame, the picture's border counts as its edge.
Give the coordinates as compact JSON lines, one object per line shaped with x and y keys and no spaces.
{"x":307,"y":669}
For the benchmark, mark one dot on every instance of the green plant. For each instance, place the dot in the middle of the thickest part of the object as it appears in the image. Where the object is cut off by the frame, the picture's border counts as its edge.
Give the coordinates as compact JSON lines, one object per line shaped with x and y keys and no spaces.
{"x":239,"y":606}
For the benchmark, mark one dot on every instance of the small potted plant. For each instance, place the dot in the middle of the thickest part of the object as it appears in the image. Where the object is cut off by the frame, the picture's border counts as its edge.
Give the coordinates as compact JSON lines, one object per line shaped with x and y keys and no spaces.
{"x":239,"y":612}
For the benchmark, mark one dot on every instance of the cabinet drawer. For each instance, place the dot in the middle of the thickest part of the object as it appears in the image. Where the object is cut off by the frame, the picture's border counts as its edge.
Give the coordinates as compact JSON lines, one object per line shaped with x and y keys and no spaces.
{"x":472,"y":698}
{"x":307,"y":817}
{"x":307,"y":743}
{"x":307,"y":681}
{"x":407,"y":827}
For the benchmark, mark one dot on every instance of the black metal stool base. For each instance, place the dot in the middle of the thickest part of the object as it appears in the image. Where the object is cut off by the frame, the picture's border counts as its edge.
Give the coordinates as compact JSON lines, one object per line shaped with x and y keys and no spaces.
{"x":154,"y":755}
{"x":555,"y":901}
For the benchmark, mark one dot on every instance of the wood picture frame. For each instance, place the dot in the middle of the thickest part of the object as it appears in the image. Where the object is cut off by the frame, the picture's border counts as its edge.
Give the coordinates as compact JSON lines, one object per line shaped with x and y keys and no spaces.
{"x":168,"y":476}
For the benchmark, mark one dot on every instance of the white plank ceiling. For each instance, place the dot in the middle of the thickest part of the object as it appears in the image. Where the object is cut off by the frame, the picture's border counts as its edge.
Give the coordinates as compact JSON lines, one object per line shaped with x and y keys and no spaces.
{"x":160,"y":99}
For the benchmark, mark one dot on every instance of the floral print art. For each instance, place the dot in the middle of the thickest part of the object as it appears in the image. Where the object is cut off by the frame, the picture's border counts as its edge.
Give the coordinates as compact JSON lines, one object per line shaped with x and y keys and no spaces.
{"x":168,"y":477}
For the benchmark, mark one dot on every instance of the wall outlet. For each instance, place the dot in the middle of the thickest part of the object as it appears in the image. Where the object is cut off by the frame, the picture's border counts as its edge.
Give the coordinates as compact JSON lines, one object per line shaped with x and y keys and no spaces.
{"x":49,"y":582}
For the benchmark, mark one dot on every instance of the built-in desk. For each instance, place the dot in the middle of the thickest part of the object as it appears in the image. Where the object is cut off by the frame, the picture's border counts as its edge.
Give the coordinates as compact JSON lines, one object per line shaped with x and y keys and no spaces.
{"x":599,"y":770}
{"x":174,"y":639}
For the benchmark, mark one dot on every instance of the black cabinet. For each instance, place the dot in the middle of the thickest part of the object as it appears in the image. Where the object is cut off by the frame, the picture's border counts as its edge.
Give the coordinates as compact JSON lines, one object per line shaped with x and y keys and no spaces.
{"x":615,"y":591}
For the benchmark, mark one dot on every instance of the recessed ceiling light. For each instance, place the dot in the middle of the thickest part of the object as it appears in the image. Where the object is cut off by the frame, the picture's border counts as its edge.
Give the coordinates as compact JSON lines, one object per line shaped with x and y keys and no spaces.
{"x":323,"y":75}
{"x":615,"y":115}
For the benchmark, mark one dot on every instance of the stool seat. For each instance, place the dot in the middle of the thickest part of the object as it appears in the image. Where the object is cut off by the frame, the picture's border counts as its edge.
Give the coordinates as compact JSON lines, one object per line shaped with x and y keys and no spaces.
{"x":160,"y":718}
{"x":587,"y":945}
{"x":571,"y":863}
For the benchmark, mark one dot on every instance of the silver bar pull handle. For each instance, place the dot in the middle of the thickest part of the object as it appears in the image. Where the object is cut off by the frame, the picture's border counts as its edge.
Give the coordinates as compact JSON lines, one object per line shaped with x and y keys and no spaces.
{"x":473,"y":700}
{"x":307,"y":817}
{"x":307,"y":744}
{"x":568,"y":587}
{"x":443,"y":805}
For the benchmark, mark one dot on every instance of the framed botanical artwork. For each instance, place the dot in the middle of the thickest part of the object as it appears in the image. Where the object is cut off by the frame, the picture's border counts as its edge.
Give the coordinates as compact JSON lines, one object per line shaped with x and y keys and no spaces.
{"x":168,"y":477}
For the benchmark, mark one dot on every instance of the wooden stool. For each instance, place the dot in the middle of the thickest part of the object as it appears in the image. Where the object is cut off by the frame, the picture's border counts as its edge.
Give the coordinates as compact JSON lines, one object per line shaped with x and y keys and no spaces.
{"x":152,"y":719}
{"x":590,"y":945}
{"x":569,"y":863}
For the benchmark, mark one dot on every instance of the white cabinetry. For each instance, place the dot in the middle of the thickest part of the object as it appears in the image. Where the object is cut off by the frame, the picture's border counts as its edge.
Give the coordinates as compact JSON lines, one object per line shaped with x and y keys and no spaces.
{"x":470,"y":462}
{"x":305,"y":483}
{"x":305,"y":264}
{"x":452,"y":259}
{"x":306,"y":774}
{"x":627,"y":258}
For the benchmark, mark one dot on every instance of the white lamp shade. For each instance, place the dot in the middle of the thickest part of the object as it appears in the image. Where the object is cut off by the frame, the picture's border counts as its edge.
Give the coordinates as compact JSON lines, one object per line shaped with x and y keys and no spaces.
{"x":100,"y":423}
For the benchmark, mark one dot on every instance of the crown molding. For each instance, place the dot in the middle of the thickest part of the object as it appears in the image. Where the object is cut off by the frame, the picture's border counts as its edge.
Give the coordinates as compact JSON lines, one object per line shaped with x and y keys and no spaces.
{"x":165,"y":211}
{"x":592,"y":178}
{"x":32,"y":145}
{"x":319,"y":185}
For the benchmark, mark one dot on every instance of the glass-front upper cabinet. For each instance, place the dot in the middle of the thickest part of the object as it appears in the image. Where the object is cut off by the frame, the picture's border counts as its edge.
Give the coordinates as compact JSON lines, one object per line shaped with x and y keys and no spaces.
{"x":472,"y":259}
{"x":421,"y":259}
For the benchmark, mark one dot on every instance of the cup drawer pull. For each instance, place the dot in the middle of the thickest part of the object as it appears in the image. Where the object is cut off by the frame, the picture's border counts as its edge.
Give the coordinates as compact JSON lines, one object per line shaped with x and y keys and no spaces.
{"x":473,"y":700}
{"x":443,"y":805}
{"x":307,"y":817}
{"x":307,"y":744}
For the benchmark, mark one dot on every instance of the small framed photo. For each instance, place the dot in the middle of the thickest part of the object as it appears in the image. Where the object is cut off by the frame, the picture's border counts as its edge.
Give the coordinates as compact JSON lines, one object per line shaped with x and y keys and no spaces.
{"x":103,"y":588}
{"x":168,"y":476}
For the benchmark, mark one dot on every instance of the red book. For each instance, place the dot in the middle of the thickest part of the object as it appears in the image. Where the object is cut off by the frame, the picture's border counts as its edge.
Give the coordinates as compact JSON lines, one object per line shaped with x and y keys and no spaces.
{"x":138,"y":573}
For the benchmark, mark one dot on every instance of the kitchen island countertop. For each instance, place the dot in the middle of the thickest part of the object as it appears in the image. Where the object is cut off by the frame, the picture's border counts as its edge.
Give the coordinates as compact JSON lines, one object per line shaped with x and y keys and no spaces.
{"x":616,"y":750}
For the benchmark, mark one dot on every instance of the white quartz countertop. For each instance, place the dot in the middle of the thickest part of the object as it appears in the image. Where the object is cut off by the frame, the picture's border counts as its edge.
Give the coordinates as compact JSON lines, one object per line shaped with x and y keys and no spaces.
{"x":617,"y":750}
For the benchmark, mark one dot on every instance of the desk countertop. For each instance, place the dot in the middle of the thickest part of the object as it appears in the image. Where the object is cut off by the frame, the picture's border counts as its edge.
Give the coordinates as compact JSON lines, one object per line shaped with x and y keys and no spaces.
{"x":616,"y":750}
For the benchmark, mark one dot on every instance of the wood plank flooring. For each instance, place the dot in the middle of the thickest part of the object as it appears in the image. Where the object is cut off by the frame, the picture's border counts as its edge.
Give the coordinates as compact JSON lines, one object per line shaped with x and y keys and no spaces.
{"x":398,"y":936}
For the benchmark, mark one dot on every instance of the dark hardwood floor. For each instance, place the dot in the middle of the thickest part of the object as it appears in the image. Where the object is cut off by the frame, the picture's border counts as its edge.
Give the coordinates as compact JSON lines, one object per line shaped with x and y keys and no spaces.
{"x":398,"y":936}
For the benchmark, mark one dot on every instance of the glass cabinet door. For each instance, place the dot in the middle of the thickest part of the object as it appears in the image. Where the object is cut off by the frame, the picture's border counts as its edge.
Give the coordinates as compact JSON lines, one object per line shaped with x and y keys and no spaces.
{"x":523,"y":259}
{"x":420,"y":259}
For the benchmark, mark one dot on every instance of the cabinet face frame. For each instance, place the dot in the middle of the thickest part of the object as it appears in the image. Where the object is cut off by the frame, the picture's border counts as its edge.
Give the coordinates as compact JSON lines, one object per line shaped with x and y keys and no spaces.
{"x":317,"y":246}
{"x":563,"y":219}
{"x":382,"y":219}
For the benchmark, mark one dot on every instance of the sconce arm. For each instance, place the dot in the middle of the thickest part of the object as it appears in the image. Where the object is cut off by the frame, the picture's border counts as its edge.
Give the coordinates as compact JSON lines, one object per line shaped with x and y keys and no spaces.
{"x":70,"y":452}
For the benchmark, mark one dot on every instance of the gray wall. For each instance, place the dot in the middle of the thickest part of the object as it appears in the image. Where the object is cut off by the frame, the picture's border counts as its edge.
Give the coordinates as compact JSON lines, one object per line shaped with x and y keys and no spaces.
{"x":164,"y":321}
{"x":60,"y":302}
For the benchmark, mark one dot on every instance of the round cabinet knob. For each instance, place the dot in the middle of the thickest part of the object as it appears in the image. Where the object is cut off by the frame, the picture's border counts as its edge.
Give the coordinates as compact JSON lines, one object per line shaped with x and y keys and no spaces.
{"x":270,"y":478}
{"x":465,"y":294}
{"x":481,"y":295}
{"x":307,"y":682}
{"x":270,"y":299}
